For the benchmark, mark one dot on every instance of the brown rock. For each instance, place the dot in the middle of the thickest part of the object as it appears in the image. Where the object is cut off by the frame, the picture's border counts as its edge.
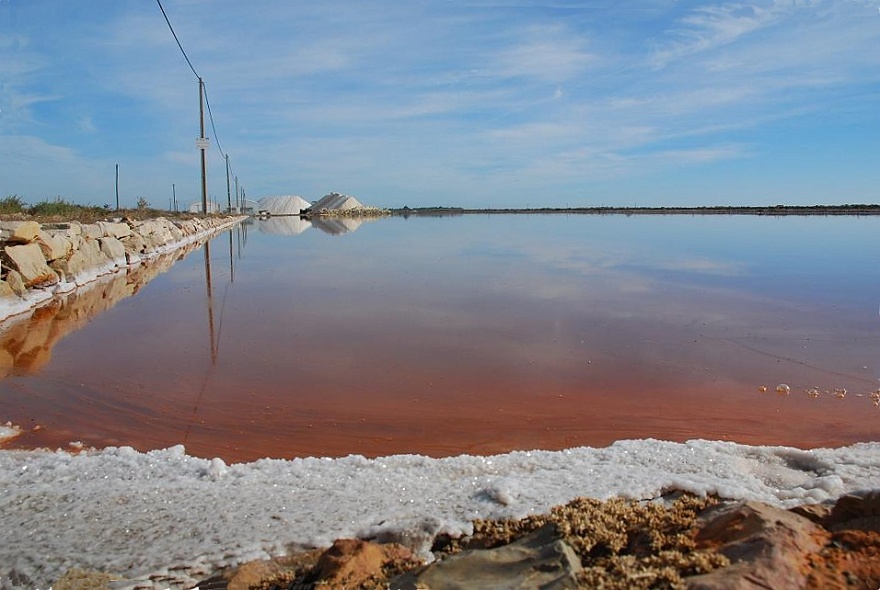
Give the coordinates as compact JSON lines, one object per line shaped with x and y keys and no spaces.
{"x":114,"y":230}
{"x":19,"y":232}
{"x":6,"y":290}
{"x":88,"y":258}
{"x":16,"y":283}
{"x":351,"y":563}
{"x":859,"y":511}
{"x":54,"y":247}
{"x":768,"y":547}
{"x":28,"y":260}
{"x":538,"y":560}
{"x":91,"y":231}
{"x":113,"y":249}
{"x":814,"y":512}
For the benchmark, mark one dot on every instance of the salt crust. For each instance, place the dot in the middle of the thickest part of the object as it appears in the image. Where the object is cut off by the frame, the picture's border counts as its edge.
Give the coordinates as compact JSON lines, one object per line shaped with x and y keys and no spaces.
{"x":164,"y":511}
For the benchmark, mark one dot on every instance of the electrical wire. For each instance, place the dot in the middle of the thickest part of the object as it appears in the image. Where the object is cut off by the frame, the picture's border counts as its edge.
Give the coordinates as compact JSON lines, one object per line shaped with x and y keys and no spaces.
{"x":213,"y":128}
{"x":204,"y":87}
{"x":185,"y":56}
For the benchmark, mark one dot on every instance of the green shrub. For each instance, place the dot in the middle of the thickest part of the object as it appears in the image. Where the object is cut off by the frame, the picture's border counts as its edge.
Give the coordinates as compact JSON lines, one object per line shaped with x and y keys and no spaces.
{"x":60,"y":209}
{"x":11,"y":204}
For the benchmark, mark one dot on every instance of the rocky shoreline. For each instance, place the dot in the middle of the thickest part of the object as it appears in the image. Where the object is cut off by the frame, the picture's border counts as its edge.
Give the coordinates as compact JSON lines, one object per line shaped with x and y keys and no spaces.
{"x":40,"y":261}
{"x":692,"y":543}
{"x":682,"y":541}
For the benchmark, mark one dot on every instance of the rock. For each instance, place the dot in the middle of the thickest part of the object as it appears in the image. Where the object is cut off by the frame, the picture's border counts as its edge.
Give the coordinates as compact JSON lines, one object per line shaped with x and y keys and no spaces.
{"x":114,"y":230}
{"x":250,"y":574}
{"x":53,"y":247}
{"x":16,"y":283}
{"x":158,"y":232}
{"x":538,"y":560}
{"x":350,"y":563}
{"x":815,"y":512}
{"x":76,"y":579}
{"x":18,"y":232}
{"x":768,"y":547}
{"x":113,"y":249}
{"x":28,"y":260}
{"x":91,"y":231}
{"x":135,"y":245}
{"x":6,"y":290}
{"x":87,"y":259}
{"x":857,"y":511}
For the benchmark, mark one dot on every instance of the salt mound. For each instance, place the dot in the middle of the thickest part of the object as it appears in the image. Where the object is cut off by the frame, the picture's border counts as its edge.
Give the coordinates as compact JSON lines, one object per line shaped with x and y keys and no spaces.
{"x":283,"y":205}
{"x":337,"y":202}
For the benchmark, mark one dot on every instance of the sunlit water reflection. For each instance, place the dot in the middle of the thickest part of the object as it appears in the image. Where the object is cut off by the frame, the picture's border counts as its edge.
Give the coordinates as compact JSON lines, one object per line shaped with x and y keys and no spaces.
{"x":473,"y":334}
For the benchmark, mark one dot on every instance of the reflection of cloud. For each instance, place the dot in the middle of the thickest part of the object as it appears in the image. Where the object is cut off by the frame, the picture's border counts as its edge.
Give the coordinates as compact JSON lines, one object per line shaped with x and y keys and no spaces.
{"x":283,"y":226}
{"x":702,"y":266}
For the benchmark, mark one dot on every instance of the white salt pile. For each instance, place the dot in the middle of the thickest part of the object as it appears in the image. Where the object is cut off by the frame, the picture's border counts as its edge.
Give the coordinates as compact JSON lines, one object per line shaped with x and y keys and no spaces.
{"x":135,"y":513}
{"x":283,"y":205}
{"x":337,"y":202}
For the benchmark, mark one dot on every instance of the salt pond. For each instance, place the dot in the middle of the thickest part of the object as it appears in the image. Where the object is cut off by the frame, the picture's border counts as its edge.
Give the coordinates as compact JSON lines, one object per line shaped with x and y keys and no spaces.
{"x":474,"y":334}
{"x":448,"y":337}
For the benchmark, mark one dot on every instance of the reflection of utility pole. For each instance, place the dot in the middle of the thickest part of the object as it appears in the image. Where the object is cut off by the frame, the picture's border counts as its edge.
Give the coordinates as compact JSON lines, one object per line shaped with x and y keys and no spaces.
{"x":228,"y":195}
{"x":231,"y":265}
{"x":207,"y":249}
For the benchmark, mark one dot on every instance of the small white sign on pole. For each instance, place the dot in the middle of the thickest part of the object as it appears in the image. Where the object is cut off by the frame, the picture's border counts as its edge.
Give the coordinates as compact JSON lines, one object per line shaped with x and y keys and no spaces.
{"x":202,"y":143}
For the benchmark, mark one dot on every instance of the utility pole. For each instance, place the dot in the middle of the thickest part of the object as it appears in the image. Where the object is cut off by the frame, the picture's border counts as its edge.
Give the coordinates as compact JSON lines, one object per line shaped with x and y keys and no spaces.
{"x":202,"y":144}
{"x":117,"y":187}
{"x":228,"y":195}
{"x":237,"y":194}
{"x":174,"y":196}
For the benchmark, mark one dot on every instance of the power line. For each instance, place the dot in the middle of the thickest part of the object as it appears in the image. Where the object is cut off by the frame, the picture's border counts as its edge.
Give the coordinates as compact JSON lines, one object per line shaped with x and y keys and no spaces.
{"x":178,"y":40}
{"x":213,"y":128}
{"x":203,"y":93}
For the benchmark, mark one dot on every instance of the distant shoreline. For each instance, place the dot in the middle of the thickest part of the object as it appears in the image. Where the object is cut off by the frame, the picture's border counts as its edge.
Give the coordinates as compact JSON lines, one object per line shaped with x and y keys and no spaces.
{"x":773,"y":210}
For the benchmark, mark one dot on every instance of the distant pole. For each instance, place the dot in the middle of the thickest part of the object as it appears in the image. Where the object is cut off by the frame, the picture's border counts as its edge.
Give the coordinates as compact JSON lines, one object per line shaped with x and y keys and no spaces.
{"x":228,"y":195}
{"x":203,"y":146}
{"x":174,"y":196}
{"x":238,"y":195}
{"x":117,"y":187}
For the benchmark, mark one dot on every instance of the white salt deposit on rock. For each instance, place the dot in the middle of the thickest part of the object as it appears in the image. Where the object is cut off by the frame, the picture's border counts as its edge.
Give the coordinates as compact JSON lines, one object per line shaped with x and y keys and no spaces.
{"x":283,"y":205}
{"x":135,"y":513}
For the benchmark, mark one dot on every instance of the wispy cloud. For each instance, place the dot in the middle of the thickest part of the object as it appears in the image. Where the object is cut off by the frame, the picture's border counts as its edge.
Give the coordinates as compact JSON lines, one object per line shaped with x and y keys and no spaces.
{"x":455,"y":102}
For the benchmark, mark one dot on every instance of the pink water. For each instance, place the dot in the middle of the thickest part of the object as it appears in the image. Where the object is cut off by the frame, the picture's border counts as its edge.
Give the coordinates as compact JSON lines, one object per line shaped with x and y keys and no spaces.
{"x":466,"y":335}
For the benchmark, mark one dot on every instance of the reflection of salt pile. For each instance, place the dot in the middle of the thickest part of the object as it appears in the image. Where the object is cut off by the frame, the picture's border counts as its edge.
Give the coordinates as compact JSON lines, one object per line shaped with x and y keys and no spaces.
{"x":337,"y":226}
{"x":283,"y":205}
{"x":284,"y":226}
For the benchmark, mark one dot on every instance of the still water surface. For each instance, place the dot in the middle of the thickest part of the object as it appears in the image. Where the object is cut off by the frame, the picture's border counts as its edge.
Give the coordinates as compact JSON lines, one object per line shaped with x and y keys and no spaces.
{"x":472,"y":334}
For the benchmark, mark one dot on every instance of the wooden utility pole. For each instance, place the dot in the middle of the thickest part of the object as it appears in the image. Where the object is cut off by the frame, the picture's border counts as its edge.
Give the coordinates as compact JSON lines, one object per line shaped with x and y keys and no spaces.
{"x":117,"y":187}
{"x":202,"y":144}
{"x":174,"y":196}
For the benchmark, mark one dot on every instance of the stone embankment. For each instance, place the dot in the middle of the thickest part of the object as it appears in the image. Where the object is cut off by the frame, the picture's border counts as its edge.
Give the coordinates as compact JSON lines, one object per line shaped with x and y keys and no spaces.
{"x":38,"y":262}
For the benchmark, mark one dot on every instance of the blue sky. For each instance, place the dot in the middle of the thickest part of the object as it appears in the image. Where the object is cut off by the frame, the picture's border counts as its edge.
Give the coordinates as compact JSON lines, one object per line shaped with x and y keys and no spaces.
{"x":495,"y":103}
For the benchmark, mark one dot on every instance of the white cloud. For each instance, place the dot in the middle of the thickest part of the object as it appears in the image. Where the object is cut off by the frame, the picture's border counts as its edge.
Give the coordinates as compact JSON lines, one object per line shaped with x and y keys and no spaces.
{"x":551,"y":54}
